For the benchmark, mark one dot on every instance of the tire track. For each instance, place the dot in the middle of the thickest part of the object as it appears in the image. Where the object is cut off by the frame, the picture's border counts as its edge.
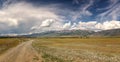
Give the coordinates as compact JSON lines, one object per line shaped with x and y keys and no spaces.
{"x":21,"y":53}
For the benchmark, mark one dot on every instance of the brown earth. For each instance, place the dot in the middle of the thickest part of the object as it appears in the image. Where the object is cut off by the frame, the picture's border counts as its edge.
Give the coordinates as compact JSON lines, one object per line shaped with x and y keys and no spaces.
{"x":24,"y":52}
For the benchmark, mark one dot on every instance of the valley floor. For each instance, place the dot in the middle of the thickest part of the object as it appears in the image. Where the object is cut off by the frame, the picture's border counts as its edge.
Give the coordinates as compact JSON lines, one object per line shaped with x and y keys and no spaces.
{"x":78,"y":49}
{"x":64,"y":50}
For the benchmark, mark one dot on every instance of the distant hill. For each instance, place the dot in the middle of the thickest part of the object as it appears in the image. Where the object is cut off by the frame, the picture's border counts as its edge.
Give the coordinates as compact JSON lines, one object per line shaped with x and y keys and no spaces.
{"x":107,"y":33}
{"x":62,"y":33}
{"x":73,"y":33}
{"x":78,"y":33}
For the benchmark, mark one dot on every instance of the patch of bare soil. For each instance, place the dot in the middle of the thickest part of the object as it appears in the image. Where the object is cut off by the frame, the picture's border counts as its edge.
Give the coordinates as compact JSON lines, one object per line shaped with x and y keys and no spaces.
{"x":21,"y":53}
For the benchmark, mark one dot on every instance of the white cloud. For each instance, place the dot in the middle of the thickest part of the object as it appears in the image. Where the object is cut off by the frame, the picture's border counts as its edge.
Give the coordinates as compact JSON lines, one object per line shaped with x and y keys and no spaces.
{"x":112,"y":13}
{"x":47,"y":23}
{"x":25,"y":18}
{"x":67,"y":25}
{"x":20,"y":17}
{"x":9,"y":21}
{"x":108,"y":25}
{"x":82,"y":11}
{"x":93,"y":25}
{"x":86,"y":25}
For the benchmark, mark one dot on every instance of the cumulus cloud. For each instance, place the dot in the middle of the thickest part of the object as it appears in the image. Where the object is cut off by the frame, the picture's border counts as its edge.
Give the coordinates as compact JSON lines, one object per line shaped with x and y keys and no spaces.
{"x":86,"y":25}
{"x":93,"y":25}
{"x":67,"y":25}
{"x":47,"y":23}
{"x":20,"y":17}
{"x":9,"y":21}
{"x":108,"y":25}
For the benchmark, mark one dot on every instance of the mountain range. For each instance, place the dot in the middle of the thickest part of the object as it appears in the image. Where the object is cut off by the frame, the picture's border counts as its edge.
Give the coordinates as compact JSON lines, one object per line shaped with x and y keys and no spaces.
{"x":77,"y":33}
{"x":108,"y":33}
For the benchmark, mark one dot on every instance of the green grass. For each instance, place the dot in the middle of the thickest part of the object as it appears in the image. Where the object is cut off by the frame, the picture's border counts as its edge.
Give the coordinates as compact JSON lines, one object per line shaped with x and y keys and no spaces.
{"x":78,"y":49}
{"x":7,"y":43}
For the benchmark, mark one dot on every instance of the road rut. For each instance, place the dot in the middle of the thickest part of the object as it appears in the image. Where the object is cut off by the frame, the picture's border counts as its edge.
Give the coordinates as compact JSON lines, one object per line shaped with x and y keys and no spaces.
{"x":24,"y":52}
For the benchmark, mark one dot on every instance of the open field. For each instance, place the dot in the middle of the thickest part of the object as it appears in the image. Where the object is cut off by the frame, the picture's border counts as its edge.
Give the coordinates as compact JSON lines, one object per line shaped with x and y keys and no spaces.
{"x":60,"y":49}
{"x":78,"y":49}
{"x":7,"y":43}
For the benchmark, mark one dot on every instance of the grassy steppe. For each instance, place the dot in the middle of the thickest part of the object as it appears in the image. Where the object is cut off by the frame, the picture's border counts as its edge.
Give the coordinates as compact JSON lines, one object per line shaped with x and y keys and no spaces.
{"x":78,"y":49}
{"x":7,"y":43}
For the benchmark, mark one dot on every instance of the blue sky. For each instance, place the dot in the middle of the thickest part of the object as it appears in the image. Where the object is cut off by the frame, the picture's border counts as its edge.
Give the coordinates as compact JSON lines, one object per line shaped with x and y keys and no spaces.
{"x":30,"y":16}
{"x":95,"y":7}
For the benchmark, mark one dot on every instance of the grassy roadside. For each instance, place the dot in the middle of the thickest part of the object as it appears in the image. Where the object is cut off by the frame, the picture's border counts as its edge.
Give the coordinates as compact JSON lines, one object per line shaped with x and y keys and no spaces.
{"x":7,"y":43}
{"x":78,"y":50}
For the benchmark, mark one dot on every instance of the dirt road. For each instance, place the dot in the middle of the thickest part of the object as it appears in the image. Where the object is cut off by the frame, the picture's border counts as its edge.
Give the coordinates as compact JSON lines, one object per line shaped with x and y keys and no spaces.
{"x":21,"y":53}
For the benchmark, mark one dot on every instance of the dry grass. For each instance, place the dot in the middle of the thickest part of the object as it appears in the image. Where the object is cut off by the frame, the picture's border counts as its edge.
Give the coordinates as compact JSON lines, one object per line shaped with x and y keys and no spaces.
{"x":78,"y":50}
{"x":7,"y":43}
